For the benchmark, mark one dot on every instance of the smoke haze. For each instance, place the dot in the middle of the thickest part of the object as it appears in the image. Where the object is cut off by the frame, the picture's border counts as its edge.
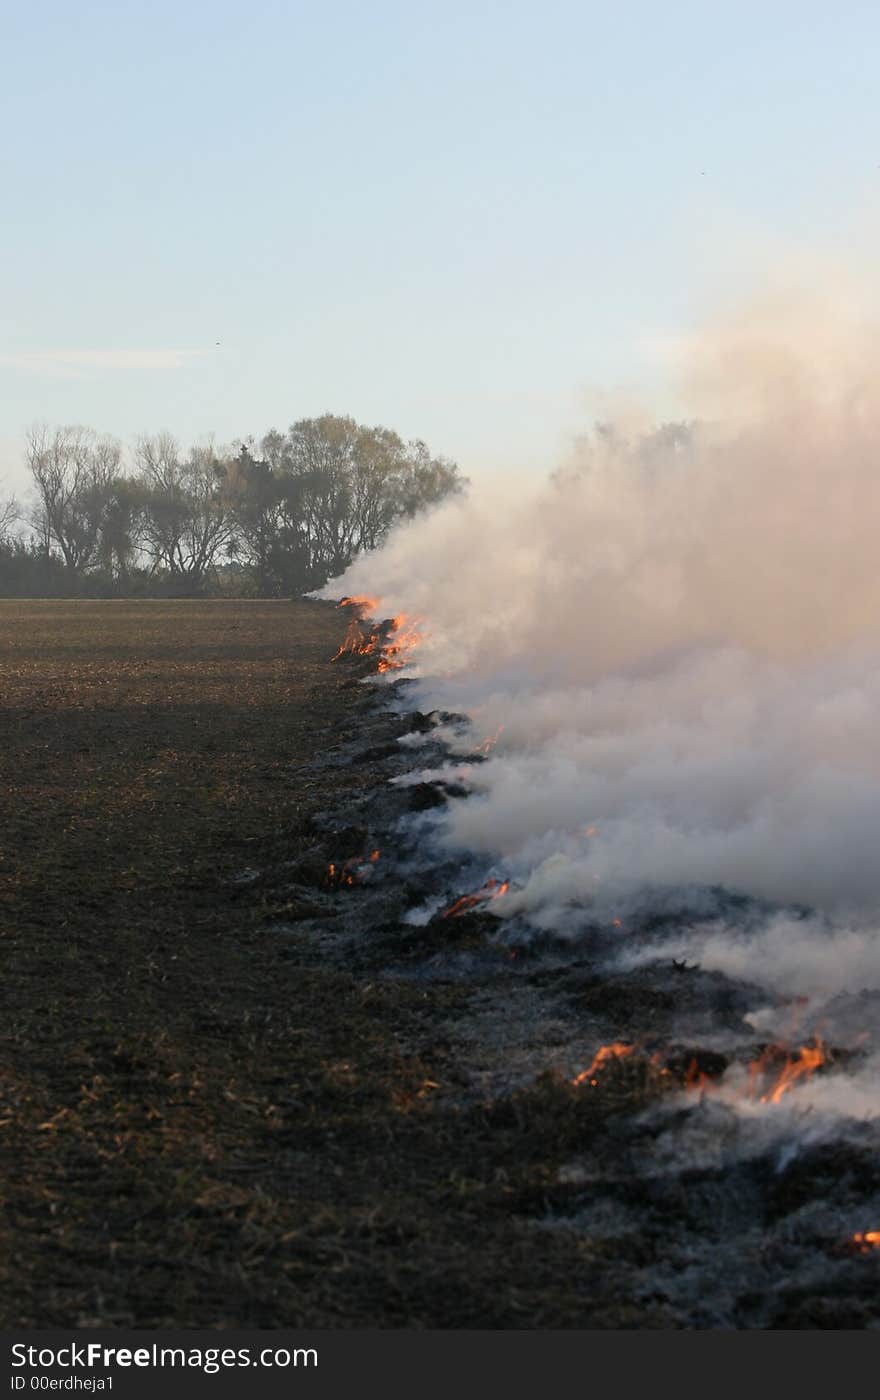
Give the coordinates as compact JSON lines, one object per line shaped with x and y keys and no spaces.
{"x":680,"y":635}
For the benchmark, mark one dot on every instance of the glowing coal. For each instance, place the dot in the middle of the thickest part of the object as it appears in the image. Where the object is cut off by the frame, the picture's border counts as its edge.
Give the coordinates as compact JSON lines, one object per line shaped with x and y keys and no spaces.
{"x":605,"y":1054}
{"x":493,"y":889}
{"x":866,"y":1241}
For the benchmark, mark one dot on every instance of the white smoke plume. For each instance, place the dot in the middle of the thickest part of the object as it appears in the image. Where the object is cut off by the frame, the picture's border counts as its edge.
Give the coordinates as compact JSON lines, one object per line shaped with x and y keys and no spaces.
{"x":680,"y":635}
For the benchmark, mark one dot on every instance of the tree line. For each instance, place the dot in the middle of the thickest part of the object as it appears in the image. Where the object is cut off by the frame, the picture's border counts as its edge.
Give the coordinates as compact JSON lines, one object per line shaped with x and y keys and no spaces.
{"x":266,"y":520}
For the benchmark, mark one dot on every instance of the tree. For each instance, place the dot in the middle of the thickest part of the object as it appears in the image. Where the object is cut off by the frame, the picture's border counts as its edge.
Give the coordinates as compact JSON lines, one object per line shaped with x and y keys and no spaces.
{"x":426,"y":480}
{"x":291,"y":518}
{"x":319,"y":457}
{"x":121,"y":527}
{"x":352,"y":483}
{"x":184,"y":520}
{"x":9,"y":514}
{"x":74,"y":472}
{"x":269,"y":534}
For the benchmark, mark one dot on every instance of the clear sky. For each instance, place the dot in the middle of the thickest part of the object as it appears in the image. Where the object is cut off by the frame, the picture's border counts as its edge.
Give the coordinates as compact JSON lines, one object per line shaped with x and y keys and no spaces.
{"x":449,"y":218}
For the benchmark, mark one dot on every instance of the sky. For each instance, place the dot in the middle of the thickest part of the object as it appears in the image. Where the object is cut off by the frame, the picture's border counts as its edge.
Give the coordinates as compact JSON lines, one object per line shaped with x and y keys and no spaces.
{"x":475,"y":223}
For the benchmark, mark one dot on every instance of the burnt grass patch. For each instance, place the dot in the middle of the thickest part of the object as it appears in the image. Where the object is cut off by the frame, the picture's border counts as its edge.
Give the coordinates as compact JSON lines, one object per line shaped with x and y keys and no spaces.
{"x":239,"y":1090}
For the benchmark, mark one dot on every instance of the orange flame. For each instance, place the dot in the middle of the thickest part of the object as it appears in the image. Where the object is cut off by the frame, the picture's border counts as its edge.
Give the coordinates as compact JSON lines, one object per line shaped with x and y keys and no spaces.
{"x":391,"y":641}
{"x":358,"y":642}
{"x":799,"y":1066}
{"x":351,"y":870}
{"x":406,"y":637}
{"x":618,"y":1051}
{"x":866,"y":1240}
{"x":493,"y":889}
{"x":489,"y":742}
{"x":697,"y":1079}
{"x":339,"y":874}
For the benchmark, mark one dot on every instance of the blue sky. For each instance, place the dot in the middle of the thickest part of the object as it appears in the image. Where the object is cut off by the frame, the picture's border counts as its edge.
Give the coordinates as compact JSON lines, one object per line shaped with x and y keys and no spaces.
{"x":454,"y":219}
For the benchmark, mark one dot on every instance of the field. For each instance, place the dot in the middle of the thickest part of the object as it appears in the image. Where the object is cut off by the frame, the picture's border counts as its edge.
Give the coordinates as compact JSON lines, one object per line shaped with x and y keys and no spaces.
{"x":240,"y":1090}
{"x":202,"y":1123}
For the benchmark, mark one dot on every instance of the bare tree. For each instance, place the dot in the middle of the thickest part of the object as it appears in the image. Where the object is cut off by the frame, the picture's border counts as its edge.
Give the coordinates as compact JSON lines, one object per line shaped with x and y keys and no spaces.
{"x":184,"y":519}
{"x":163,"y":500}
{"x":322,"y":492}
{"x":73,"y":471}
{"x":209,"y":526}
{"x":10,"y":512}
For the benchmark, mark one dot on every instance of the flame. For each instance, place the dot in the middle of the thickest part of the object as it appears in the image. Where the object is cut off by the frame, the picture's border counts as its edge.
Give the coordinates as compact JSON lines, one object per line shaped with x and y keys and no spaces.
{"x":405,"y":634}
{"x":489,"y":742}
{"x":617,"y":1051}
{"x":799,"y":1066}
{"x":866,"y":1240}
{"x":768,"y":1082}
{"x":591,"y":831}
{"x":340,"y":874}
{"x":357,"y":641}
{"x":351,"y":871}
{"x":390,"y":640}
{"x":493,"y":889}
{"x":697,"y":1079}
{"x":657,"y":1060}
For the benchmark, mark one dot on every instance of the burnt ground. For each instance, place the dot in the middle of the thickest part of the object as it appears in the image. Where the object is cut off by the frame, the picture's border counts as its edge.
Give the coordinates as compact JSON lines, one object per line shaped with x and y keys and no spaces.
{"x":238,"y":1090}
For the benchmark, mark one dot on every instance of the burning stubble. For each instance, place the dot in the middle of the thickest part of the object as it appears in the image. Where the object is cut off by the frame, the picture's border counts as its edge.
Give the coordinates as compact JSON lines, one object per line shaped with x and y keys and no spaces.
{"x":673,"y":650}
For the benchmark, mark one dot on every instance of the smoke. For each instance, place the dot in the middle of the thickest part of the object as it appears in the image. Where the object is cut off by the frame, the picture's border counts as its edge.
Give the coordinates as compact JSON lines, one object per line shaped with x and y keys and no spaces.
{"x":680,"y":635}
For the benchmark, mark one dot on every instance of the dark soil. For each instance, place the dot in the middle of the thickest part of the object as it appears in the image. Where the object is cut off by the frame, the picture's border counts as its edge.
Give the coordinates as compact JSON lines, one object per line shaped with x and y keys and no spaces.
{"x":199,"y":1127}
{"x":241,"y":1089}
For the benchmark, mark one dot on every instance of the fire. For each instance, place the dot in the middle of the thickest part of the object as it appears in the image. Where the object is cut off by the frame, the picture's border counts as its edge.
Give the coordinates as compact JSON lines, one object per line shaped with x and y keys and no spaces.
{"x":695,"y":1078}
{"x":866,"y":1240}
{"x":391,"y":640}
{"x":357,"y":642}
{"x":617,"y":1051}
{"x":405,"y":634}
{"x":807,"y":1060}
{"x":339,"y":874}
{"x":490,"y":741}
{"x":493,"y":889}
{"x":769,"y":1080}
{"x":351,"y":871}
